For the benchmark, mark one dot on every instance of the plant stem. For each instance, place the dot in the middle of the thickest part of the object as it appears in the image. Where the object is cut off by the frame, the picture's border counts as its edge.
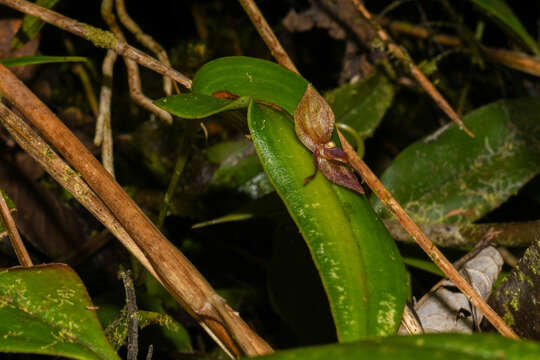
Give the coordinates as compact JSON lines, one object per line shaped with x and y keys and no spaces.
{"x":183,"y":154}
{"x":16,"y":241}
{"x":513,"y":59}
{"x":402,"y":55}
{"x":97,"y":36}
{"x":267,"y":34}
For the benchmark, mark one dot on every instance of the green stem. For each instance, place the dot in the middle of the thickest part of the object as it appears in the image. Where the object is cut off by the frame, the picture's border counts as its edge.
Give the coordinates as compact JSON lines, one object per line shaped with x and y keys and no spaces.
{"x":183,"y":154}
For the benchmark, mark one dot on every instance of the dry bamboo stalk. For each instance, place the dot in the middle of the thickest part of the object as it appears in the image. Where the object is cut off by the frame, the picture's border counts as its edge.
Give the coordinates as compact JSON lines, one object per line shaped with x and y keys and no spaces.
{"x":178,"y":275}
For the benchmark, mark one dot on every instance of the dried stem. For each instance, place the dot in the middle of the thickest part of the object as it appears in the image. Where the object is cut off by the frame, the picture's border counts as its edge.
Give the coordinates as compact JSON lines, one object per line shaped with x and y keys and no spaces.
{"x":449,"y":235}
{"x":267,"y":34}
{"x":11,"y":227}
{"x":134,"y":79}
{"x":132,"y":319}
{"x":410,"y":324}
{"x":416,"y":233}
{"x":145,"y":40}
{"x":509,"y":258}
{"x":150,"y":352}
{"x":513,"y":59}
{"x":402,"y":55}
{"x":38,"y":149}
{"x":97,"y":36}
{"x":104,"y":112}
{"x":458,"y":264}
{"x":177,"y":274}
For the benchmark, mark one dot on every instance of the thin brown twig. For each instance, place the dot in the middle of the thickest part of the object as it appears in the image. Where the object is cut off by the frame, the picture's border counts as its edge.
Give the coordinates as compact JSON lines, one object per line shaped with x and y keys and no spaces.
{"x":513,"y":59}
{"x":177,"y":274}
{"x":145,"y":40}
{"x":103,"y":134}
{"x":132,"y":319}
{"x":509,"y":258}
{"x":11,"y":227}
{"x":458,"y":264}
{"x":402,"y":55}
{"x":267,"y":34}
{"x":421,"y":239}
{"x":134,"y":79}
{"x":98,"y":37}
{"x":107,"y":70}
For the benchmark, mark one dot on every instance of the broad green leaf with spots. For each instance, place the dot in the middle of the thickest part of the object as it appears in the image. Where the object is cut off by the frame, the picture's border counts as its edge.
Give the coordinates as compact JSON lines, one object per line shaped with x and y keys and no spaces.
{"x":358,"y":262}
{"x":451,"y":178}
{"x":363,"y":104}
{"x":45,"y":309}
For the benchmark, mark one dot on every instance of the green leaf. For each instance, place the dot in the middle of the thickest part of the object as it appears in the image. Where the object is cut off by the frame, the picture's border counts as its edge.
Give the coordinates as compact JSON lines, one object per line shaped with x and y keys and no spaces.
{"x":259,"y":79}
{"x":45,"y":309}
{"x":239,"y":168}
{"x":426,"y":347}
{"x":358,"y":262}
{"x":451,"y":178}
{"x":500,"y":11}
{"x":224,"y":219}
{"x":423,"y":265}
{"x":198,"y":106}
{"x":363,"y":104}
{"x":31,"y":60}
{"x":31,"y":25}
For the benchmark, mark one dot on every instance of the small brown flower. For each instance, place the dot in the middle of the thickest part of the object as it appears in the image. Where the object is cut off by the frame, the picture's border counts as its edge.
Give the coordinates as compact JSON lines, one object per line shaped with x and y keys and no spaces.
{"x":314,"y":123}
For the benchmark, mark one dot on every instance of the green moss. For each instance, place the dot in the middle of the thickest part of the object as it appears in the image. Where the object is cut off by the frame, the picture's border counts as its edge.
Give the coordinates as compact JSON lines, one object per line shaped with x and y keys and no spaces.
{"x":514,"y":302}
{"x":100,"y":38}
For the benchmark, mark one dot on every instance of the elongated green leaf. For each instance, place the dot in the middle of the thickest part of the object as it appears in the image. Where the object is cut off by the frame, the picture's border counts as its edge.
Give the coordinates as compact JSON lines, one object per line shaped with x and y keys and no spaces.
{"x":31,"y":60}
{"x":197,"y":106}
{"x":426,"y":347}
{"x":500,"y":11}
{"x":363,"y":104}
{"x":340,"y":229}
{"x":224,"y":219}
{"x":259,"y":79}
{"x":46,"y":310}
{"x":451,"y":178}
{"x":31,"y":25}
{"x":357,"y":260}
